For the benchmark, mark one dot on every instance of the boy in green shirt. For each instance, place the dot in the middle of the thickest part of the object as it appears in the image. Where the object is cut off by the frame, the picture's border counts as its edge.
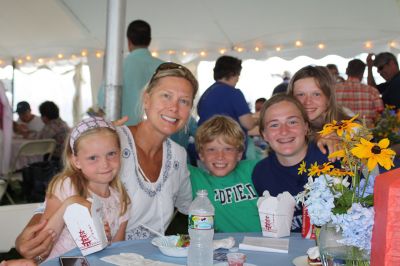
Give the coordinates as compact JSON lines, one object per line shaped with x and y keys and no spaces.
{"x":220,"y":144}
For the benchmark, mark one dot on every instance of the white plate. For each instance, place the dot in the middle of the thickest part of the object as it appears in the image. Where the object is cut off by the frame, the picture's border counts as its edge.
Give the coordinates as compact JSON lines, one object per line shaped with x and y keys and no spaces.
{"x":226,"y":264}
{"x":300,"y":261}
{"x":169,"y":248}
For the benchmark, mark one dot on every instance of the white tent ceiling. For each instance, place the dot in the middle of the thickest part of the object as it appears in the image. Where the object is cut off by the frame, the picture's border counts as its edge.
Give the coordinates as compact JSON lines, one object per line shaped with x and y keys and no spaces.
{"x":44,"y":28}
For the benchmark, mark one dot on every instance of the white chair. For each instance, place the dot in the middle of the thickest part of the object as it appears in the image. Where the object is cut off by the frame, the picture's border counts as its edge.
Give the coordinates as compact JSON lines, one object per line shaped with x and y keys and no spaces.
{"x":29,"y":148}
{"x":3,"y":190}
{"x":13,"y":219}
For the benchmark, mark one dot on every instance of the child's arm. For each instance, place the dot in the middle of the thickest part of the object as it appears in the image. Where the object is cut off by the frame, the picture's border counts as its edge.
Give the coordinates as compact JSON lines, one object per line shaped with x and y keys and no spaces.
{"x":120,"y":235}
{"x":54,"y":211}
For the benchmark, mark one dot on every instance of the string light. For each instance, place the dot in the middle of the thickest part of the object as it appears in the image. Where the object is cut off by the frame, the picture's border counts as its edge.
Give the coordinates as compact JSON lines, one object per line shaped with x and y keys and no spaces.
{"x":298,"y":44}
{"x":28,"y":59}
{"x":99,"y":54}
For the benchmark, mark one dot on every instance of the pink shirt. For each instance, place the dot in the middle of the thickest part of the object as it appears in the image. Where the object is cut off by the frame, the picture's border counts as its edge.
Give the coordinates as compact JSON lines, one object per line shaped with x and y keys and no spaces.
{"x":111,"y":209}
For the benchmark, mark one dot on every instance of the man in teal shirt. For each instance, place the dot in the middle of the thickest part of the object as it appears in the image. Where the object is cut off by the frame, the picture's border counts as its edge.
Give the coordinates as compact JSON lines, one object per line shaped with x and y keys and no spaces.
{"x":138,"y":68}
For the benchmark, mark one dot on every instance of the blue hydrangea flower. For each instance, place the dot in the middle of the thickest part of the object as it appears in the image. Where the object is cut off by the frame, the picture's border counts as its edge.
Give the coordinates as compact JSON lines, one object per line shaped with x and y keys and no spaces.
{"x":369,"y":190}
{"x":320,"y":201}
{"x":356,"y":226}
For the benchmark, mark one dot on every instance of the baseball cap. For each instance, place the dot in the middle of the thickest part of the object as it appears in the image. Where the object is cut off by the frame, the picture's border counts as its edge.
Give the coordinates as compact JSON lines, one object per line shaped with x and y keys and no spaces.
{"x":22,"y":107}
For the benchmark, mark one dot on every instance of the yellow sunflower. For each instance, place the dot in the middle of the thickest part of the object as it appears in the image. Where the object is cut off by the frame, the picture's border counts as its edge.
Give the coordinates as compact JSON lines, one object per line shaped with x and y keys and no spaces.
{"x":340,"y":127}
{"x":337,"y":154}
{"x":328,"y":128}
{"x":302,"y":169}
{"x":375,"y":153}
{"x":317,"y":170}
{"x":313,"y":170}
{"x":340,"y":172}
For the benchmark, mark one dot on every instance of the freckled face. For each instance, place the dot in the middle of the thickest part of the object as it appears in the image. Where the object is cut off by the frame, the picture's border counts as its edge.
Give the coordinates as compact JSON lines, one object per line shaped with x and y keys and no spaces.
{"x":311,"y":97}
{"x":285,"y":131}
{"x":220,"y":157}
{"x":169,"y":104}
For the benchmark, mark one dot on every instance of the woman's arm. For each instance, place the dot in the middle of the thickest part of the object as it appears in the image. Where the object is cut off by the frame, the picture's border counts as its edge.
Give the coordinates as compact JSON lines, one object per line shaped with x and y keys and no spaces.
{"x":55,"y":210}
{"x":33,"y":240}
{"x":120,"y":235}
{"x":328,"y":144}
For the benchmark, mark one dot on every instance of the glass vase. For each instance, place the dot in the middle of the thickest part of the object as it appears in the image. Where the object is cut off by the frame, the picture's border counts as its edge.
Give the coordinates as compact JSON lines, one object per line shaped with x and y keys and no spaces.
{"x":334,"y":253}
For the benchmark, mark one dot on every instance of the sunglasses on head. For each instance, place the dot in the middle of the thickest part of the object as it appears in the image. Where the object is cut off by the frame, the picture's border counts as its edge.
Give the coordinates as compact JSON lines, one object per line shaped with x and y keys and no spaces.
{"x":382,"y":66}
{"x":168,"y":66}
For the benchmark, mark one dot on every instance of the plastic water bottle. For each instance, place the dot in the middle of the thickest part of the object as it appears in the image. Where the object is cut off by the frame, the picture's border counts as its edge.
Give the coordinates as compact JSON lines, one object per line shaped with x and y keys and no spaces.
{"x":201,"y":231}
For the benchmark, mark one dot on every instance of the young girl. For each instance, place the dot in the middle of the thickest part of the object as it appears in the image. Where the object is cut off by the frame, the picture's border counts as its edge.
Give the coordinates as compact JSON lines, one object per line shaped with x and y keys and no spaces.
{"x":284,"y":125}
{"x":313,"y":86}
{"x":92,"y":163}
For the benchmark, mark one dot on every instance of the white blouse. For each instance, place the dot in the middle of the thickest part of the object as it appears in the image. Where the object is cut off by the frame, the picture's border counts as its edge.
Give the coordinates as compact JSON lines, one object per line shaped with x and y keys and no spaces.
{"x":153,"y":204}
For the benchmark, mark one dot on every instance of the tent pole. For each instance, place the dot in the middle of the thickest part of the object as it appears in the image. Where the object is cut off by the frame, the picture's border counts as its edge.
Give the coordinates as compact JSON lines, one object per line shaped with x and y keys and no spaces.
{"x":114,"y":55}
{"x":13,"y":63}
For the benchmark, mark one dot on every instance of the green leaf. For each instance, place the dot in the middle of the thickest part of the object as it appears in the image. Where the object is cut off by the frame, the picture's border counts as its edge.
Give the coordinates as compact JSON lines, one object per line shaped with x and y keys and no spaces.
{"x":343,"y":203}
{"x":367,"y":201}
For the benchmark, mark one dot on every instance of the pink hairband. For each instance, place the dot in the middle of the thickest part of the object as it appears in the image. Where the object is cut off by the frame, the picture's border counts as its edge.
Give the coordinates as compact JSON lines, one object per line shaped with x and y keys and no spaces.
{"x":85,"y":125}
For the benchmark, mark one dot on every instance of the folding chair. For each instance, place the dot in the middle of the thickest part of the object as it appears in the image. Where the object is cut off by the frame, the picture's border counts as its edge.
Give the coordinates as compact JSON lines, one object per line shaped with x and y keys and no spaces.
{"x":13,"y":219}
{"x":29,"y":148}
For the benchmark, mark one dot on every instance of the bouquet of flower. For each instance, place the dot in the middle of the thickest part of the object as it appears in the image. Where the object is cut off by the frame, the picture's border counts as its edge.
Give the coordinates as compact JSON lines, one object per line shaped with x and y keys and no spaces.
{"x":344,"y":196}
{"x":388,"y":125}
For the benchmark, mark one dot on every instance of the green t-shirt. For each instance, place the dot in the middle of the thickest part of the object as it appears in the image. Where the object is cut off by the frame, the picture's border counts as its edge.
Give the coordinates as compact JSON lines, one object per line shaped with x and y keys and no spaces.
{"x":233,"y":196}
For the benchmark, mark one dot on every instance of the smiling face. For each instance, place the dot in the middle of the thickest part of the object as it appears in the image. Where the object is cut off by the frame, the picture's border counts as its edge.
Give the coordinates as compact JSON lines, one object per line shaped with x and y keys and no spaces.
{"x":311,"y":97}
{"x":285,"y":131}
{"x":168,"y":105}
{"x":219,"y":157}
{"x":98,"y":157}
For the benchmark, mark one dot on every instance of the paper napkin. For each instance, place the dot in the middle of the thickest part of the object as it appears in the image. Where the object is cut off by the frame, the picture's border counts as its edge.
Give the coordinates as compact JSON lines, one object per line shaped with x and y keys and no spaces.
{"x":265,"y":244}
{"x":133,"y":259}
{"x":226,"y":243}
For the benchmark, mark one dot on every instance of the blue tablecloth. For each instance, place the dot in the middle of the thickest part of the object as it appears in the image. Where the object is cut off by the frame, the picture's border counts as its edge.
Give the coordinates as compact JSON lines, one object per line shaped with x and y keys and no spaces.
{"x":297,"y":247}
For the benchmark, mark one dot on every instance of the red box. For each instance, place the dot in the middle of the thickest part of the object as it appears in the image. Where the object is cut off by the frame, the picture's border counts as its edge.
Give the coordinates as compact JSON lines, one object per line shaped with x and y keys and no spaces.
{"x":385,"y":246}
{"x":307,"y":229}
